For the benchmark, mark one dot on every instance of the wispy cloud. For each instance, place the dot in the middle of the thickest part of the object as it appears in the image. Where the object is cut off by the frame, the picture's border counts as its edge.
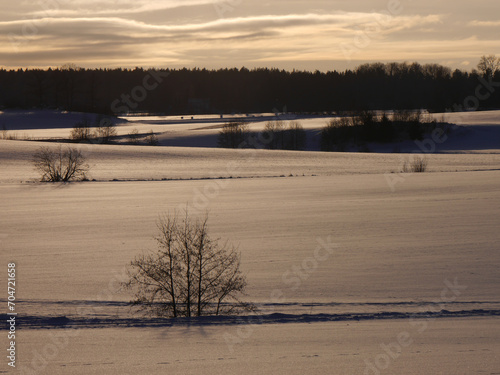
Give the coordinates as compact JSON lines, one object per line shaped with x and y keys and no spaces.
{"x":108,"y":33}
{"x":477,"y":23}
{"x":63,"y":27}
{"x":64,"y":8}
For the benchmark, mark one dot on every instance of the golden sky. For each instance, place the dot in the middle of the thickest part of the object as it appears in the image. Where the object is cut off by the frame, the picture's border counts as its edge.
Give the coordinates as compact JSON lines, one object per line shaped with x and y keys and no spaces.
{"x":316,"y":34}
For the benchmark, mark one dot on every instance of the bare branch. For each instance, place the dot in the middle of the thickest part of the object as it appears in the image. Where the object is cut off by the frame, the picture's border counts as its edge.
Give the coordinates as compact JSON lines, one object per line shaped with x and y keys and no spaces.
{"x":191,"y":274}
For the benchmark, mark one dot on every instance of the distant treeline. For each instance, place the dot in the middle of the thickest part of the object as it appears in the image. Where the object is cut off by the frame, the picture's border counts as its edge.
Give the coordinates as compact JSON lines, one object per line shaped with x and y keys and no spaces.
{"x":193,"y":91}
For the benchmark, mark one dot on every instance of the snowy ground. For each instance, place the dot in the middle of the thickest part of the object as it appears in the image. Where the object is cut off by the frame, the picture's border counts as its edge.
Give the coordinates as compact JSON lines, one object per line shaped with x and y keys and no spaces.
{"x":478,"y":132}
{"x":401,"y":244}
{"x":458,"y":347}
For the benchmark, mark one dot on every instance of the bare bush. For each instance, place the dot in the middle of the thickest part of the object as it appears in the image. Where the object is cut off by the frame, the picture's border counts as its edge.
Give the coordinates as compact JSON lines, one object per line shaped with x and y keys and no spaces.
{"x":105,"y":129}
{"x":191,"y":274}
{"x":367,"y":127}
{"x":4,"y":133}
{"x":133,"y":137}
{"x":417,"y":165}
{"x":82,"y":131}
{"x":282,"y":137}
{"x":233,"y":135}
{"x":152,"y":139}
{"x":60,"y":164}
{"x":7,"y":135}
{"x":102,"y":130}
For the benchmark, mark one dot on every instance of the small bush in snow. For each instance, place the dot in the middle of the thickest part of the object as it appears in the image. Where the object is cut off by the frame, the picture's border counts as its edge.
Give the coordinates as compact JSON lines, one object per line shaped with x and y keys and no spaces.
{"x":282,"y":137}
{"x":60,"y":164}
{"x":417,"y":165}
{"x":82,"y":131}
{"x":133,"y":137}
{"x":105,"y":129}
{"x":152,"y":139}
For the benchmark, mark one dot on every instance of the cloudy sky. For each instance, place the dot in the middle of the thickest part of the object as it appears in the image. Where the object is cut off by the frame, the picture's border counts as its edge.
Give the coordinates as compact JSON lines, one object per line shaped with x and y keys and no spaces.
{"x":314,"y":34}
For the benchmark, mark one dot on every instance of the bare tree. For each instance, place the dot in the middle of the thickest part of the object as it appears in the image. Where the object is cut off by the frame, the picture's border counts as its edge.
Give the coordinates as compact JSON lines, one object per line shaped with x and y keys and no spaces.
{"x":191,"y":274}
{"x":60,"y":165}
{"x":489,"y":65}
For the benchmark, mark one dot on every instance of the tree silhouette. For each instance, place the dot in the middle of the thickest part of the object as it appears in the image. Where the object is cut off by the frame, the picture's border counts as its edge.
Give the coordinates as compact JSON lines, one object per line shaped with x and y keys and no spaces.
{"x":489,"y":65}
{"x":191,"y":274}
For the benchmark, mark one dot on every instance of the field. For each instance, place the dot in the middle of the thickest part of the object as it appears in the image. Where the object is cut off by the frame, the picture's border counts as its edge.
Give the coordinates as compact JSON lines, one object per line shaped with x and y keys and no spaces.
{"x":407,"y":281}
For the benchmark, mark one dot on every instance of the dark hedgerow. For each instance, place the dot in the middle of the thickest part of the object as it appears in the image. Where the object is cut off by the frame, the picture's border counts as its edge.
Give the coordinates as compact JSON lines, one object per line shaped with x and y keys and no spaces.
{"x":367,"y":127}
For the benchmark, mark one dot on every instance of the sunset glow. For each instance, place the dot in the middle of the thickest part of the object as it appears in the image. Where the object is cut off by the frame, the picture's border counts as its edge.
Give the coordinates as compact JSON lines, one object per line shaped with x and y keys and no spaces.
{"x":323,"y":35}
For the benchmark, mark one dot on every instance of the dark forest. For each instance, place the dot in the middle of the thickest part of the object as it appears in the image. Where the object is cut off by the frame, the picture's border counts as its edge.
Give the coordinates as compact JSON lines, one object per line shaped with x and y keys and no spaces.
{"x":375,"y":86}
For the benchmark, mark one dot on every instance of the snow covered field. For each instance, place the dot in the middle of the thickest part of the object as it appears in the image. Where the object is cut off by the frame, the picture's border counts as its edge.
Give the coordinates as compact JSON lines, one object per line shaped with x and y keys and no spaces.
{"x":398,"y":247}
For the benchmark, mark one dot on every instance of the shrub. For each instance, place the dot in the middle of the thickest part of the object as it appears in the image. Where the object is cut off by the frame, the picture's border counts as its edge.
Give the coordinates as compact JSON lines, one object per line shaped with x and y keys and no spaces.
{"x":417,"y":165}
{"x":367,"y":127}
{"x":82,"y":131}
{"x":233,"y":135}
{"x":190,"y":274}
{"x":60,"y":165}
{"x":105,"y":129}
{"x":133,"y":137}
{"x":4,"y":133}
{"x":280,"y":137}
{"x":152,"y":139}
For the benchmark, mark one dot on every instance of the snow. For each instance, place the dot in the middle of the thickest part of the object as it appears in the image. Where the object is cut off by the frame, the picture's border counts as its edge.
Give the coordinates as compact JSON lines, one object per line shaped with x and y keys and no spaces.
{"x":325,"y":238}
{"x":478,"y":132}
{"x":448,"y":347}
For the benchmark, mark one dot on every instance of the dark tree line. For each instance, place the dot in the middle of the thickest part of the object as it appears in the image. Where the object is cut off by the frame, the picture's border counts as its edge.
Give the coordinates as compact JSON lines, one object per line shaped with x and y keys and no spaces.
{"x":192,"y":91}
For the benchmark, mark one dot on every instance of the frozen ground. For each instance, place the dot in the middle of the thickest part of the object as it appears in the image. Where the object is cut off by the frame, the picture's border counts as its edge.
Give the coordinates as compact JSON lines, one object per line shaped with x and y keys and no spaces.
{"x":402,"y":244}
{"x":450,"y":347}
{"x":478,"y":131}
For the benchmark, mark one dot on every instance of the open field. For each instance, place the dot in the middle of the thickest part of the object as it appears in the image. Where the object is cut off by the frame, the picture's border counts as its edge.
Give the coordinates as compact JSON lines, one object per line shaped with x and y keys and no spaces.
{"x":457,"y":346}
{"x":401,"y":244}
